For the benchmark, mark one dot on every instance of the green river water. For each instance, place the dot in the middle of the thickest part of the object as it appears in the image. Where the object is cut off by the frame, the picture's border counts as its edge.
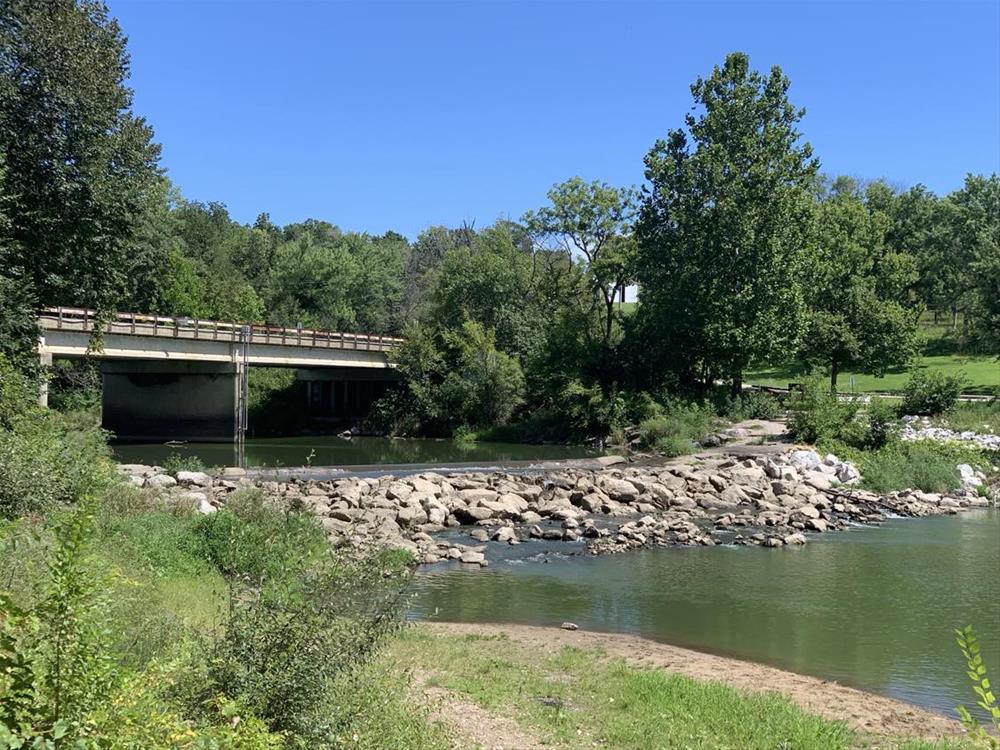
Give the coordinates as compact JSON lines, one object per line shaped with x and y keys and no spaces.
{"x":332,"y":451}
{"x":871,"y":607}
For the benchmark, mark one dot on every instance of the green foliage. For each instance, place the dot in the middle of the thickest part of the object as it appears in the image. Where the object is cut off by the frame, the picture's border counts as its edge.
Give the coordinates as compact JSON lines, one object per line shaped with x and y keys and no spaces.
{"x":760,"y":405}
{"x":589,"y":410}
{"x":723,"y":227}
{"x":594,"y":222}
{"x":817,"y":414}
{"x":188,"y":462}
{"x":80,"y":168}
{"x":968,"y":643}
{"x":882,"y":424}
{"x":671,"y":446}
{"x":675,"y":433}
{"x":45,"y":458}
{"x":54,"y":659}
{"x":861,"y":314}
{"x":921,"y":466}
{"x":930,"y":392}
{"x":299,"y":619}
{"x":452,"y":378}
{"x":254,"y":542}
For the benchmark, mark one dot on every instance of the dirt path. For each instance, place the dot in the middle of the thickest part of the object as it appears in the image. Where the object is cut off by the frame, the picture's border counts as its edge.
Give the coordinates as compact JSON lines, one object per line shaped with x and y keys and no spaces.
{"x":866,"y":712}
{"x":469,"y":725}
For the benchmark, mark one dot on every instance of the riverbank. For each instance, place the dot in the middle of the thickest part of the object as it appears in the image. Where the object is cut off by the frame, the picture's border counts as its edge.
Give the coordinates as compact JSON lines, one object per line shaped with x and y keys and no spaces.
{"x":527,"y":687}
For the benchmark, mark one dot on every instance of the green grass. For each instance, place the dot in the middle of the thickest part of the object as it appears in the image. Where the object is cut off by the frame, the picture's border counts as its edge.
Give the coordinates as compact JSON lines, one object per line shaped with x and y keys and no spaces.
{"x":982,"y":372}
{"x":580,"y":699}
{"x":975,"y":416}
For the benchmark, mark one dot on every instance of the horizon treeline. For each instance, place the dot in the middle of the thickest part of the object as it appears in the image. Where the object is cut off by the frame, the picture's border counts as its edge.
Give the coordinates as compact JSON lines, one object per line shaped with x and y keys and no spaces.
{"x":744,"y":252}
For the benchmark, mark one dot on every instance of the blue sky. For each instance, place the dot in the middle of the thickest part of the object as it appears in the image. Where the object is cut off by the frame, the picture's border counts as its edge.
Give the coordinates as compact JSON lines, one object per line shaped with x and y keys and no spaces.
{"x":380,"y":116}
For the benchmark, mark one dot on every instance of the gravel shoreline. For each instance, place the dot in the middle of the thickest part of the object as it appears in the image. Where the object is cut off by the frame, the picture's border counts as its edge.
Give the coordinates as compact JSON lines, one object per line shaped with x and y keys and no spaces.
{"x":772,"y":501}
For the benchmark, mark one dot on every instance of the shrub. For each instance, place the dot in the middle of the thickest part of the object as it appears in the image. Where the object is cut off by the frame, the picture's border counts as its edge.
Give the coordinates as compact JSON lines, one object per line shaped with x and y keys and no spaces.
{"x":817,"y":414}
{"x":674,"y":433}
{"x":673,"y":445}
{"x":923,"y":466}
{"x":465,"y":437}
{"x":176,"y":462}
{"x":254,"y":541}
{"x":931,"y":392}
{"x":760,"y":405}
{"x":45,"y":460}
{"x":881,"y":424}
{"x":281,"y":657}
{"x":60,"y":684}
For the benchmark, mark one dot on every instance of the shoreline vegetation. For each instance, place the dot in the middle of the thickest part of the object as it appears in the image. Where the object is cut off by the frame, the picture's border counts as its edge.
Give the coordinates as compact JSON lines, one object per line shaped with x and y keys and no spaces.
{"x":449,"y":660}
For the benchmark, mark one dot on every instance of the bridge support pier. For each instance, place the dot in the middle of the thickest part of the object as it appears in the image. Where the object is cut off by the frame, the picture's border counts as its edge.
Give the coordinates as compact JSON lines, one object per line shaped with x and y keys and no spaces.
{"x":45,"y":360}
{"x":163,"y":400}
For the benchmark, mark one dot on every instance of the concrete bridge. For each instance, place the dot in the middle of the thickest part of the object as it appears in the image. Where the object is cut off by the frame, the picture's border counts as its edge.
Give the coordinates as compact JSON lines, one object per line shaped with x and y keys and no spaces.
{"x":186,"y":379}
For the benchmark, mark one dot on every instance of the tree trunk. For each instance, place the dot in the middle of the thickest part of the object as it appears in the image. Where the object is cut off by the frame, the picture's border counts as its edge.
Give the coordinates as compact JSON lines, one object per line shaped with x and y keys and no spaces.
{"x":834,"y":371}
{"x":610,"y":319}
{"x":737,"y":386}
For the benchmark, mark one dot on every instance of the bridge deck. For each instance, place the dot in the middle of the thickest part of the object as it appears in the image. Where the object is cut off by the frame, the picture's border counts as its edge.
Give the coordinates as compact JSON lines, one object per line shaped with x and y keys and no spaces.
{"x":136,"y":324}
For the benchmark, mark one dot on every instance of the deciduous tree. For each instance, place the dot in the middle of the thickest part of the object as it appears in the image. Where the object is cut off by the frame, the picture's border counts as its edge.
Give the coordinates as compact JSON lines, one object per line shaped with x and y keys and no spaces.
{"x":724,"y":222}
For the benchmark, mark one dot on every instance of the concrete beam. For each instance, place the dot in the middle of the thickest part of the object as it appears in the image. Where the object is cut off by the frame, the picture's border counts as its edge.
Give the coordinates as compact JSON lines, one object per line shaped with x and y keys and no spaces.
{"x":74,"y":344}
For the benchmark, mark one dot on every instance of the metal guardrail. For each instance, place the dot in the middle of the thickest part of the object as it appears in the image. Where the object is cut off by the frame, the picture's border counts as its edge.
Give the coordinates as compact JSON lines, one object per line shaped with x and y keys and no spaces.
{"x":778,"y":391}
{"x":137,"y":324}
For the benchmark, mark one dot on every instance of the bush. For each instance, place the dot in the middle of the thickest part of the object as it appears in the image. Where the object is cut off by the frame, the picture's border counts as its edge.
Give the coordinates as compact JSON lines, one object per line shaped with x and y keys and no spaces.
{"x":280,"y":657}
{"x":817,"y":414}
{"x":881,"y":424}
{"x":926,"y":466}
{"x":60,"y":683}
{"x":673,"y":445}
{"x":674,"y":433}
{"x":930,"y":392}
{"x":256,"y":542}
{"x":45,"y":461}
{"x":760,"y":405}
{"x":176,"y":462}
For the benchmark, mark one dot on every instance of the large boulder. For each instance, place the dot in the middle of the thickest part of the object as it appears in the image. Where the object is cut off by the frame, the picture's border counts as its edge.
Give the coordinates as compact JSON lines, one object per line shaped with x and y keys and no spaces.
{"x":620,"y":490}
{"x":194,"y":479}
{"x":160,"y":481}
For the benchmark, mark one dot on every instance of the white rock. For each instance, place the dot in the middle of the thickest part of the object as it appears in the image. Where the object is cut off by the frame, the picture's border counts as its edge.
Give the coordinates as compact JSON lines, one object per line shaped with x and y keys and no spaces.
{"x":806,"y":460}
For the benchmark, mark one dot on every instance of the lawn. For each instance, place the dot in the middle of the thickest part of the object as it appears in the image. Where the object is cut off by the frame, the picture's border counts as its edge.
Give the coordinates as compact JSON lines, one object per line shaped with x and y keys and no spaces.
{"x":981,"y":371}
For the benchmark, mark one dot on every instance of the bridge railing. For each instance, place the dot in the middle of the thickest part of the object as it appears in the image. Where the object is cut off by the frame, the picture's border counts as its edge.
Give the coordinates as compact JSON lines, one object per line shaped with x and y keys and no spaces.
{"x":138,"y":324}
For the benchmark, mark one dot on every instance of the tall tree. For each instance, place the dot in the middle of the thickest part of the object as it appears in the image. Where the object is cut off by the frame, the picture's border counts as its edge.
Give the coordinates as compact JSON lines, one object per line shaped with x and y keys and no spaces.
{"x":860,"y":312}
{"x":81,"y":167}
{"x":976,"y":228}
{"x":723,"y":224}
{"x":593,"y":221}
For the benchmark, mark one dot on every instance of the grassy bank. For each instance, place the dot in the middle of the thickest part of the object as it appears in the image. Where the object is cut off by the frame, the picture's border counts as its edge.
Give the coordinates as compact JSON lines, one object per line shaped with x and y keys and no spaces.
{"x":982,"y":372}
{"x":580,"y":698}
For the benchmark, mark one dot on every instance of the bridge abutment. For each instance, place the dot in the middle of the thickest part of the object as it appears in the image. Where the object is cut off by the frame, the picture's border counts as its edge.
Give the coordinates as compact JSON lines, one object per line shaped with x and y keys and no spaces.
{"x":162,"y":400}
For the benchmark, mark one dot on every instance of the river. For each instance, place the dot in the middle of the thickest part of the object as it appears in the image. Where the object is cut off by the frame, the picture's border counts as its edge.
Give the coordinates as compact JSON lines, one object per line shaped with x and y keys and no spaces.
{"x":337,"y":451}
{"x":873,"y":607}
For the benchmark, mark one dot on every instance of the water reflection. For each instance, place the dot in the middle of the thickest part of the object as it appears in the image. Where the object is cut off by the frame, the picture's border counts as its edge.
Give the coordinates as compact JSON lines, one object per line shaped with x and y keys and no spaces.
{"x":336,"y":451}
{"x":874,"y":607}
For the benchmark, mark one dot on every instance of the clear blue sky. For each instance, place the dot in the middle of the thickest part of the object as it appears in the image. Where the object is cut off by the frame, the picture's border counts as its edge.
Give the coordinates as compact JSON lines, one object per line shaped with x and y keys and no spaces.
{"x":381,"y":116}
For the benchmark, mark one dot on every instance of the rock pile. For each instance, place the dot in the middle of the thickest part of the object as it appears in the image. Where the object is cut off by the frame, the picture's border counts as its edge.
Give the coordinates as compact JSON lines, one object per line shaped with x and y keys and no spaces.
{"x":767,"y":501}
{"x":919,"y":428}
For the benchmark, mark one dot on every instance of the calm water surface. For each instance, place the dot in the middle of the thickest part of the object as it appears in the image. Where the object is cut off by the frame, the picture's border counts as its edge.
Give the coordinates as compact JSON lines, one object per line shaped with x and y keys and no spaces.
{"x":871,"y":607}
{"x":337,"y":451}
